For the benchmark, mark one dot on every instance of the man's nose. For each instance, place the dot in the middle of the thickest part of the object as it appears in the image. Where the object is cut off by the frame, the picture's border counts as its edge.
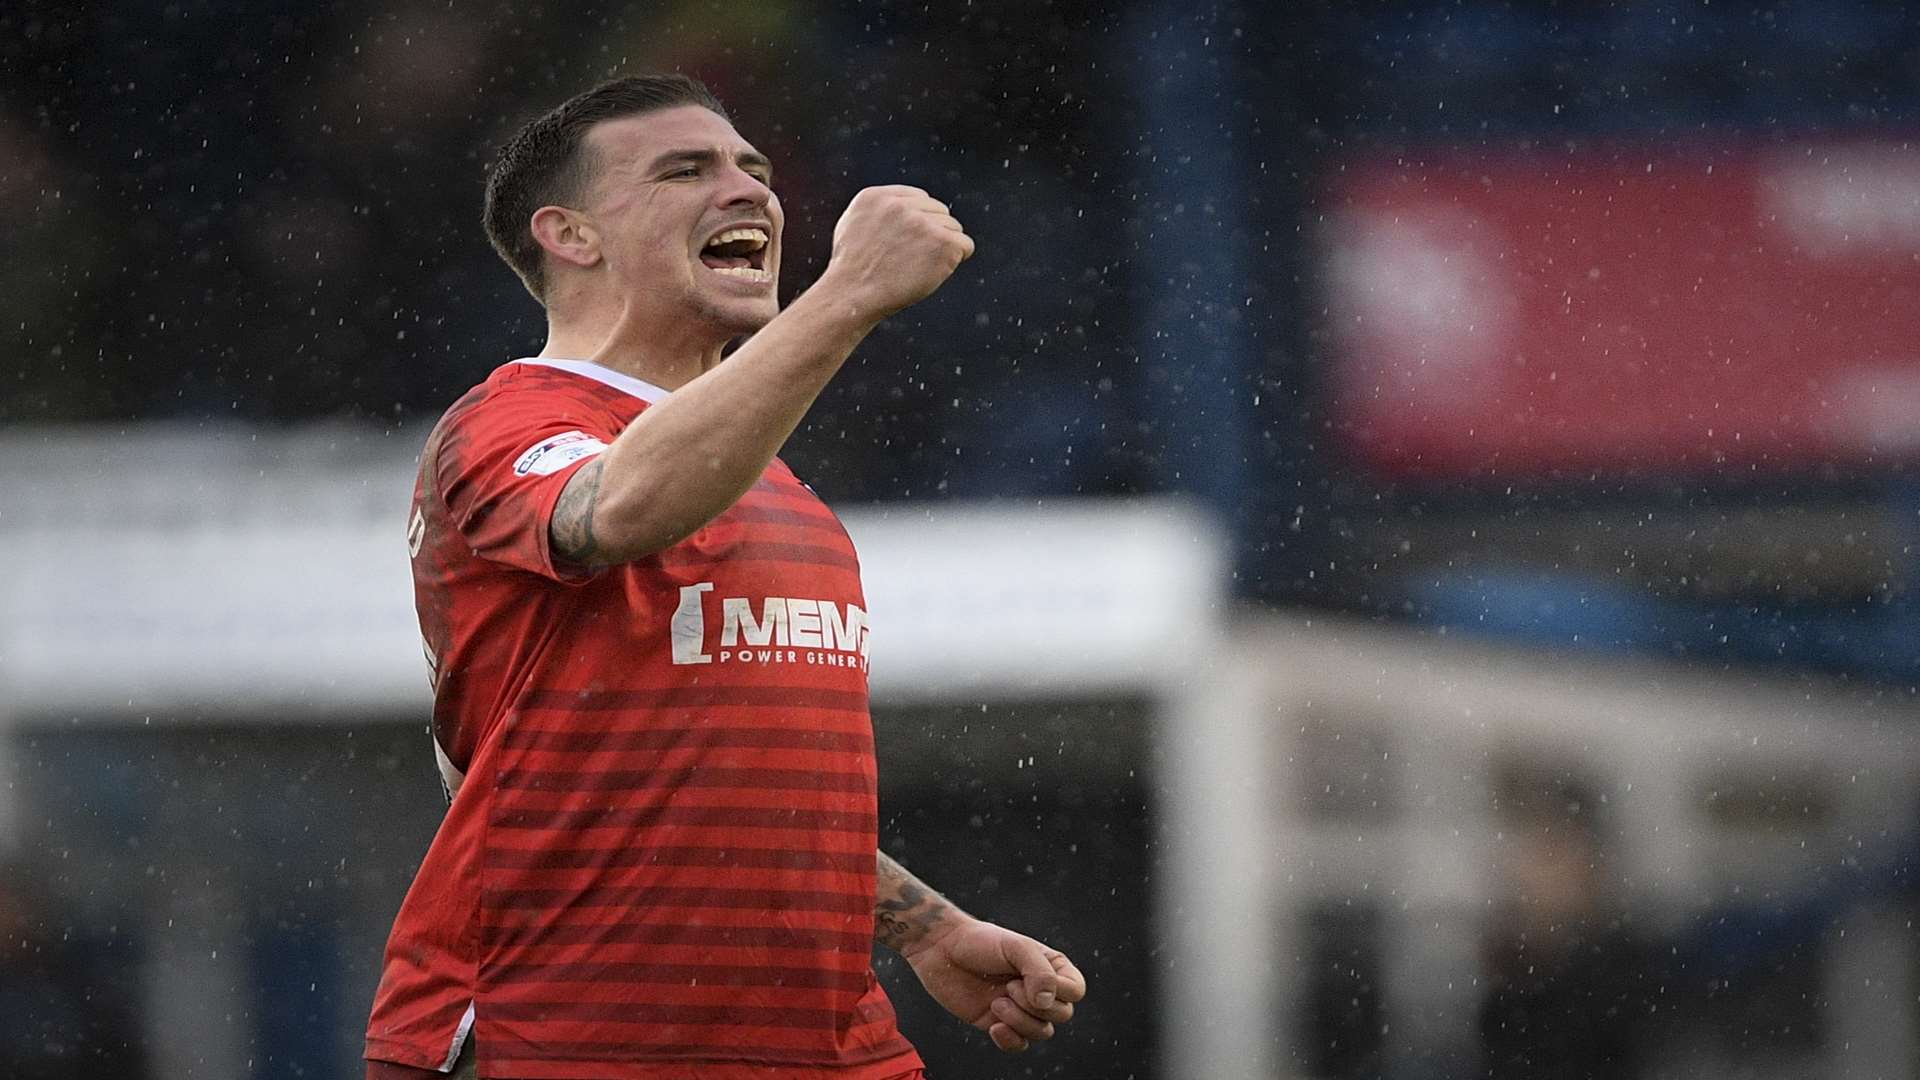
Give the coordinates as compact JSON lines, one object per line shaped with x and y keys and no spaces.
{"x":742,"y":188}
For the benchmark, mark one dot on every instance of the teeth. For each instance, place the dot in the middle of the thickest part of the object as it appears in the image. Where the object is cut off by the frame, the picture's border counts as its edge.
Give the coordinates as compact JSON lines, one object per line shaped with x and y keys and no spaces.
{"x":745,"y":273}
{"x":758,"y":236}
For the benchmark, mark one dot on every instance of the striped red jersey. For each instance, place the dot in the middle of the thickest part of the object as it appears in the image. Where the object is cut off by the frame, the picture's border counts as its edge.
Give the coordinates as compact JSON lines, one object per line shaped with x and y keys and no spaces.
{"x":659,"y":857}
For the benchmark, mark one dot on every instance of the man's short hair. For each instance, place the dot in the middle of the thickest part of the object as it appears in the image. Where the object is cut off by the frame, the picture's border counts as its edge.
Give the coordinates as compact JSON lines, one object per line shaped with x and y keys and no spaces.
{"x":547,"y":163}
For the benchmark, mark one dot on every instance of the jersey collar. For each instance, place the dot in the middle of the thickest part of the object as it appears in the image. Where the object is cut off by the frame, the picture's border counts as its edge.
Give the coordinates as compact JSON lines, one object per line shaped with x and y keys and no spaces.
{"x":639,"y":388}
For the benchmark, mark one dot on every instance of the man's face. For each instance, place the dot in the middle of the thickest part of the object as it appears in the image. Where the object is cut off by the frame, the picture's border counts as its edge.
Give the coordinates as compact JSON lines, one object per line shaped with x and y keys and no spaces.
{"x":688,"y":224}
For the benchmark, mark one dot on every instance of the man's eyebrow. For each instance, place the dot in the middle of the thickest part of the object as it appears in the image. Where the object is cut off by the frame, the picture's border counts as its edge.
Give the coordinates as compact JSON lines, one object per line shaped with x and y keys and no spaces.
{"x":705,"y":156}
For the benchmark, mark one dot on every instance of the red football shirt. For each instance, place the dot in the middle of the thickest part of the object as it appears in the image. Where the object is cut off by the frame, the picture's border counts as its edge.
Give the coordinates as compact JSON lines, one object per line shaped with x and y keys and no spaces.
{"x":659,"y":857}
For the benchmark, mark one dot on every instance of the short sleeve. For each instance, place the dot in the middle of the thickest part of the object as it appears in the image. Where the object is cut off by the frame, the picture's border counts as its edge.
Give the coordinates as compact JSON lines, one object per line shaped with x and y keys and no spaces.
{"x":501,"y":467}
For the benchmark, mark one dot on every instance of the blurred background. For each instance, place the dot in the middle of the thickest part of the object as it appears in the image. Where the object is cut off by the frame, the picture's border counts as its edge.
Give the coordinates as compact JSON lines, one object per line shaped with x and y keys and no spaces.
{"x":1450,"y":464}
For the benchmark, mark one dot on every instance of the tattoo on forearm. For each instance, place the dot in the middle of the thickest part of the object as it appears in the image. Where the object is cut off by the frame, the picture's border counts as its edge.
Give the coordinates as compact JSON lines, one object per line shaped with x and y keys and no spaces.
{"x":904,"y":909}
{"x":572,"y":524}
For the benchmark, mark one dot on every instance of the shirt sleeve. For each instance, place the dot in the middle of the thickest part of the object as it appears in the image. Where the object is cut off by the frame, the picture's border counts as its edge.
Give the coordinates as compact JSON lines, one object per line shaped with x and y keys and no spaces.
{"x":502,"y":466}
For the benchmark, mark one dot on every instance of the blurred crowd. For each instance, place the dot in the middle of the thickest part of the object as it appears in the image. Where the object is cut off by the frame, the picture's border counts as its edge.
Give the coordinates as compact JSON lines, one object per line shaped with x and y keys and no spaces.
{"x":270,"y":212}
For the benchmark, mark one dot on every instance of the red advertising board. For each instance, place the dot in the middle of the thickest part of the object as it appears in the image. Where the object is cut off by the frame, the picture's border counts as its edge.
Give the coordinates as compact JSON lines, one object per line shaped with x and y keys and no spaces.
{"x":1648,"y":309}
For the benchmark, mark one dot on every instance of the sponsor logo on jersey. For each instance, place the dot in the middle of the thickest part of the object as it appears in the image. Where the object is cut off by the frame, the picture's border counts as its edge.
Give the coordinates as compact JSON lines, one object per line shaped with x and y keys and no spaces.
{"x":768,"y":630}
{"x":556,"y":452}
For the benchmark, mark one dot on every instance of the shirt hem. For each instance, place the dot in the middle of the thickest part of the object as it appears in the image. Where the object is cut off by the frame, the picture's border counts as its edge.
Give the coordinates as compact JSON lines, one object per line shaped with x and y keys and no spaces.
{"x":891,"y":1067}
{"x":400,"y":1053}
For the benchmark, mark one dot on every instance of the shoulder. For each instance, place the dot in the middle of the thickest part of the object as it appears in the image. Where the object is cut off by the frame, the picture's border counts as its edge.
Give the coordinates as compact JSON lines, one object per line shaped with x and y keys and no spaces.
{"x":779,"y":477}
{"x":518,"y":394}
{"x":518,"y":411}
{"x":521,"y":383}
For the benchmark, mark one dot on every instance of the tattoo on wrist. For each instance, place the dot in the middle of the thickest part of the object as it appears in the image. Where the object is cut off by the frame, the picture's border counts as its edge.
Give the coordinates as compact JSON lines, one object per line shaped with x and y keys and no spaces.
{"x":572,"y":522}
{"x":904,"y":909}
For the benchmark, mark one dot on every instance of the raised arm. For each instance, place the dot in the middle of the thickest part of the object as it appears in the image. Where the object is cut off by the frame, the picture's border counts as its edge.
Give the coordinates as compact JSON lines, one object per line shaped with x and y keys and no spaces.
{"x":1006,"y":984}
{"x":694,"y":454}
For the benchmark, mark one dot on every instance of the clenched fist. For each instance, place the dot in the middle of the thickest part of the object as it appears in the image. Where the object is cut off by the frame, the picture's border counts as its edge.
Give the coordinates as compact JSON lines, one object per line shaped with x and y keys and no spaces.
{"x":894,"y":246}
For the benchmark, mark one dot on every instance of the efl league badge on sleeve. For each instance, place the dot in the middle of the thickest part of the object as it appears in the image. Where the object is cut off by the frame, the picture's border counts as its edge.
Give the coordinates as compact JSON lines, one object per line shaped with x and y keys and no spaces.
{"x":556,"y":452}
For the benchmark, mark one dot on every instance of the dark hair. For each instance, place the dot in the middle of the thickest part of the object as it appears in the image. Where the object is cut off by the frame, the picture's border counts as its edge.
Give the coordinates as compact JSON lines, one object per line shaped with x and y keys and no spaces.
{"x":546,"y":161}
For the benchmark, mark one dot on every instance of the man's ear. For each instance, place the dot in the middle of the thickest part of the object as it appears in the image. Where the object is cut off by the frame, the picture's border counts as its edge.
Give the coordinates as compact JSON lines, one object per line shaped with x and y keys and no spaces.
{"x":567,"y":235}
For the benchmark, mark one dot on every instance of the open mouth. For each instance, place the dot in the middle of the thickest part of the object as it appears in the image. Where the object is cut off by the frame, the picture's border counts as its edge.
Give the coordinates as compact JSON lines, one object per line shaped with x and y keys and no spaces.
{"x":739,"y":253}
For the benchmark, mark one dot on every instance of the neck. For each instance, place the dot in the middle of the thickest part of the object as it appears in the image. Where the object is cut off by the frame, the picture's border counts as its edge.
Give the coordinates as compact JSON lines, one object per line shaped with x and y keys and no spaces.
{"x":669,"y":353}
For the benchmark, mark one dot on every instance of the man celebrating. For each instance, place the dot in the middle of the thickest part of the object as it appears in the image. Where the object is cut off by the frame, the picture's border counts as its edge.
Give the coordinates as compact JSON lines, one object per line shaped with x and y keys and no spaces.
{"x":648,"y":646}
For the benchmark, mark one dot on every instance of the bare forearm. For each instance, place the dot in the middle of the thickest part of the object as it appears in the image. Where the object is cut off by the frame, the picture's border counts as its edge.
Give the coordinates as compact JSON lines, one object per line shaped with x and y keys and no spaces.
{"x":694,"y":454}
{"x":905,"y":911}
{"x":688,"y":458}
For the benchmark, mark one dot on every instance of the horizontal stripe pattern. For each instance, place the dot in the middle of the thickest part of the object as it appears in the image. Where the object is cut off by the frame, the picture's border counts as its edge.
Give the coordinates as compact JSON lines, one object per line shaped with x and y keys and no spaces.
{"x":603,"y":935}
{"x":660,"y":896}
{"x":568,"y":858}
{"x":624,"y":1013}
{"x":747,"y":551}
{"x":705,"y":975}
{"x":651,"y":1014}
{"x":691,"y":776}
{"x":733,"y":817}
{"x":857,"y":743}
{"x":716,"y":1052}
{"x":784,"y":513}
{"x":692,"y":697}
{"x":652,"y":862}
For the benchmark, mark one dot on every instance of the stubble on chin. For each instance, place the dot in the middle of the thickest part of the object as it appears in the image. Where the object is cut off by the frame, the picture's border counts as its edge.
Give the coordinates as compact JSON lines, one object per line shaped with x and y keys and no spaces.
{"x":735,"y":318}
